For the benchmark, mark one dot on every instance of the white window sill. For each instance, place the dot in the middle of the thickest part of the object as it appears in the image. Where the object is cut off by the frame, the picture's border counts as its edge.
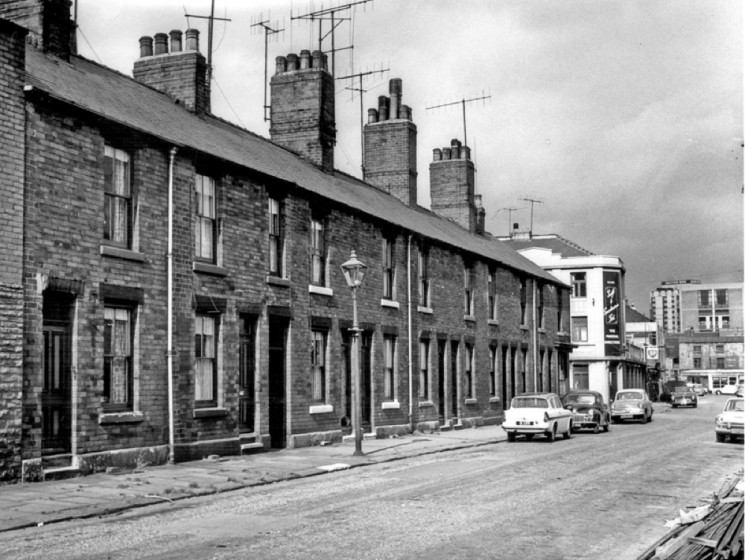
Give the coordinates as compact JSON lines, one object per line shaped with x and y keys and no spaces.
{"x":391,"y":405}
{"x":426,"y":404}
{"x":471,"y":401}
{"x":427,"y":310}
{"x":320,"y":290}
{"x":321,"y":408}
{"x":523,"y":327}
{"x":276,"y":281}
{"x":389,"y":303}
{"x":109,"y":251}
{"x":469,"y":318}
{"x":212,"y":412}
{"x":494,"y":399}
{"x":493,"y":322}
{"x":208,"y":268}
{"x":541,"y":330}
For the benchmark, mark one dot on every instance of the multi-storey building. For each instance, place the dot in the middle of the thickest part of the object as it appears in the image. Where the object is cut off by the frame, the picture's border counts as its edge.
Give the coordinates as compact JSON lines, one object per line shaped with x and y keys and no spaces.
{"x":602,"y":359}
{"x":170,"y":284}
{"x":690,"y":306}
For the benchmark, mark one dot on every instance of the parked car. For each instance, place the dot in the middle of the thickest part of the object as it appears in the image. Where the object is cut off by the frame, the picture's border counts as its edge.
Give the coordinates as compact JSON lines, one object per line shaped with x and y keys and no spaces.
{"x":589,"y":410}
{"x":699,"y":389}
{"x":729,"y":390}
{"x":537,"y":413}
{"x":731,"y":420}
{"x":684,"y":396}
{"x":631,"y":404}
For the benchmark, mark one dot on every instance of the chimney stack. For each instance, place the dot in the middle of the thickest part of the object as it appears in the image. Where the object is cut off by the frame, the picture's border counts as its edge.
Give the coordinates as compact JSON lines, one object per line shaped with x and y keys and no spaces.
{"x":390,"y":147}
{"x":480,"y":225}
{"x":180,"y":73}
{"x":50,"y":26}
{"x":303,"y":107}
{"x":452,"y":185}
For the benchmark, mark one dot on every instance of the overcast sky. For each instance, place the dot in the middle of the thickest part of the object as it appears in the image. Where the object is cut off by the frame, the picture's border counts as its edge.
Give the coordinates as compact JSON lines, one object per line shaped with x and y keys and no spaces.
{"x":623,"y":117}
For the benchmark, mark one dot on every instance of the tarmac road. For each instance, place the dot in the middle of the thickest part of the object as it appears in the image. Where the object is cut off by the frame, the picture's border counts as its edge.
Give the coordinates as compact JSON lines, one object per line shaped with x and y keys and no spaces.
{"x":593,"y":496}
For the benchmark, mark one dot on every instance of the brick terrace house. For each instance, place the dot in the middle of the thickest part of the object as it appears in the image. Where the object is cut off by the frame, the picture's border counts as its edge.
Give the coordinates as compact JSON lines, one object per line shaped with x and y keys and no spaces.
{"x":170,"y":283}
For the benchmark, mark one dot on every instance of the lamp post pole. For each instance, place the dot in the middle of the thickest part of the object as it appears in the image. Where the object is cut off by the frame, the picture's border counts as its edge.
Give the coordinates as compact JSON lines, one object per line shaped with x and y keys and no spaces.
{"x":356,"y":385}
{"x":354,"y":272}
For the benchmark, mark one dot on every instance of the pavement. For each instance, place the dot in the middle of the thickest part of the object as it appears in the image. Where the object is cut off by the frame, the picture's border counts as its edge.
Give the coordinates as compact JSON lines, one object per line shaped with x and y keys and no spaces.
{"x":40,"y":503}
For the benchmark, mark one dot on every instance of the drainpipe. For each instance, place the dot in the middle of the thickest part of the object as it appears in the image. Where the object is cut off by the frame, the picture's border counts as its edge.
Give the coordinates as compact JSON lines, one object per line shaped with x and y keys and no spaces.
{"x":411,"y":372}
{"x":535,"y":336}
{"x":169,"y":258}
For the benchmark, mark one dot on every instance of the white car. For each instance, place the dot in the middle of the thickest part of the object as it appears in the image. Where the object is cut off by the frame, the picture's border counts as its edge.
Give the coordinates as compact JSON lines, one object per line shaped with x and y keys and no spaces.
{"x":731,"y":421}
{"x":631,"y":404}
{"x":537,"y":413}
{"x":729,"y":390}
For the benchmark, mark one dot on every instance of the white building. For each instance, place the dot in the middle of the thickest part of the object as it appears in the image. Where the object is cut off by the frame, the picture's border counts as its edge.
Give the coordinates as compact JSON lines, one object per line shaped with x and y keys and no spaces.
{"x":601,"y":360}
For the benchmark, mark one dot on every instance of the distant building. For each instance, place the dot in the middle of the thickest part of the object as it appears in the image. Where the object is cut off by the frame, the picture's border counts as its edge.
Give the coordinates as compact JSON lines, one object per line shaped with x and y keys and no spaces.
{"x":690,"y":306}
{"x":601,"y":360}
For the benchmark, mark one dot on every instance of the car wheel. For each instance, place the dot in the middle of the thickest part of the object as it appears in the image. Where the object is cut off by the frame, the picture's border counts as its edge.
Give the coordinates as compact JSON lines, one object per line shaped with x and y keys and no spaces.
{"x":569,"y":431}
{"x":717,"y":392}
{"x":511,"y":436}
{"x":645,"y":419}
{"x":650,"y":416}
{"x":720,"y":438}
{"x":607,"y":426}
{"x":596,"y":428}
{"x":552,"y":433}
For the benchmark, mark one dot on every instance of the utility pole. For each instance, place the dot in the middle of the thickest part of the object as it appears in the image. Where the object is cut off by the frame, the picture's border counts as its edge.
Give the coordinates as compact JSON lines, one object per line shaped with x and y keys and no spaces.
{"x":211,"y":19}
{"x":463,"y":103}
{"x":329,"y":14}
{"x":267,"y":32}
{"x":361,"y":75}
{"x":532,"y":201}
{"x":509,"y":218}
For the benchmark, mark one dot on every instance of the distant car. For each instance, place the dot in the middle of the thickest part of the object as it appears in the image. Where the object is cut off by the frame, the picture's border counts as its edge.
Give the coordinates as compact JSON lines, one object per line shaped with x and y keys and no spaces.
{"x":631,"y":404}
{"x":731,"y":420}
{"x":684,"y":396}
{"x":729,"y":390}
{"x":537,"y":413}
{"x":699,"y":389}
{"x":589,"y":410}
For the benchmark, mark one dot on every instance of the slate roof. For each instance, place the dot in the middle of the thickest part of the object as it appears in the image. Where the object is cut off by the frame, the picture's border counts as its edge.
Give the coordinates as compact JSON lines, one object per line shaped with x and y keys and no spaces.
{"x":633,"y":316}
{"x":556,"y":243}
{"x":121,"y":99}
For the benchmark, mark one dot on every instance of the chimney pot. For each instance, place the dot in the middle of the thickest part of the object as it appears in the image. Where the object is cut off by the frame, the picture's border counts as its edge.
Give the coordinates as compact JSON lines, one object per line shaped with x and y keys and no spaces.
{"x":436,"y":154}
{"x":281,"y":63}
{"x":372,"y":116}
{"x":446,"y":153}
{"x":325,"y":61}
{"x":146,"y":46}
{"x":394,"y":87}
{"x":161,"y":43}
{"x":465,"y":152}
{"x":192,"y":39}
{"x":176,"y":40}
{"x":383,"y":107}
{"x":404,"y":112}
{"x":291,"y":62}
{"x":304,"y":59}
{"x":317,"y":59}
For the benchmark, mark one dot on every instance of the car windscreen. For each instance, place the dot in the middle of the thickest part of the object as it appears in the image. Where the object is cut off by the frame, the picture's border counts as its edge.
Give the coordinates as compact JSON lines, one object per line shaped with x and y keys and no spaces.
{"x":579,"y":399}
{"x":735,"y":405}
{"x":529,"y":402}
{"x":630,"y":396}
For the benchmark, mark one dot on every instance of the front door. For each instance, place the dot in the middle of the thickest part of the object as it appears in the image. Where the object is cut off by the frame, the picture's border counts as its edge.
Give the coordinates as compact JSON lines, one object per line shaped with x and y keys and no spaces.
{"x":366,"y":379}
{"x":247,"y":375}
{"x":454,"y":379}
{"x":277,"y":397}
{"x":441,"y":347}
{"x":56,"y":395}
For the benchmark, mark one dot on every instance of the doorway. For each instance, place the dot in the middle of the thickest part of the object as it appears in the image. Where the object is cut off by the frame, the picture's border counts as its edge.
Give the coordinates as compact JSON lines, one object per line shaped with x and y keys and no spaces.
{"x":247,"y":374}
{"x":441,"y":348}
{"x":454,"y":379}
{"x":277,"y":393}
{"x":365,"y":379}
{"x":56,"y":395}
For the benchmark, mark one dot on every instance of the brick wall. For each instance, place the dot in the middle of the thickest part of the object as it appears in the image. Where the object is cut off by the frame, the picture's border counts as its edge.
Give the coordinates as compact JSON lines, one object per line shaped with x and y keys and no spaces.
{"x":12,"y":55}
{"x":181,"y":75}
{"x":390,"y":158}
{"x":48,"y":21}
{"x":452,"y":185}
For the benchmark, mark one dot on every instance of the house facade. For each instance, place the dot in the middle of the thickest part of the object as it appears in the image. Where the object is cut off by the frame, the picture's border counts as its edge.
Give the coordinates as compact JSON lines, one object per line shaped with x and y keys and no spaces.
{"x":171,"y":287}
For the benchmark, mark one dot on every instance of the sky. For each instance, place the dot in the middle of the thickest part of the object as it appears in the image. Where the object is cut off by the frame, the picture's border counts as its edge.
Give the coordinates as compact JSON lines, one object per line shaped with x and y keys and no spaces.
{"x":622,"y":119}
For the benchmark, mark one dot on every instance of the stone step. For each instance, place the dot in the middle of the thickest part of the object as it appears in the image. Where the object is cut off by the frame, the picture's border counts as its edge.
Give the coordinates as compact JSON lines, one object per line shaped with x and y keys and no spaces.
{"x":61,"y":473}
{"x":253,"y":446}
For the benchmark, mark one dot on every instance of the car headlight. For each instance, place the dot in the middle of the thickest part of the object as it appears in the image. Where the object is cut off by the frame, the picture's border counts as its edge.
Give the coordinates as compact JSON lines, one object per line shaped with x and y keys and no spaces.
{"x":719,"y":421}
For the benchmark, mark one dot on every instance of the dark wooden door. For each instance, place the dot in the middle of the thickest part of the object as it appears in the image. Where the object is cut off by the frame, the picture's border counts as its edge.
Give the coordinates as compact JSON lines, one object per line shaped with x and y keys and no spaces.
{"x":454,"y":378}
{"x":56,"y":396}
{"x":247,"y":375}
{"x":441,"y":347}
{"x":277,"y":396}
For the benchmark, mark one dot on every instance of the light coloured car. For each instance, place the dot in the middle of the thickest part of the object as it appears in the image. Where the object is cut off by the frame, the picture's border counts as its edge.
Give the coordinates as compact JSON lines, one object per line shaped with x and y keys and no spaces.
{"x":631,"y":404}
{"x":731,"y":421}
{"x":730,"y":390}
{"x":537,"y":413}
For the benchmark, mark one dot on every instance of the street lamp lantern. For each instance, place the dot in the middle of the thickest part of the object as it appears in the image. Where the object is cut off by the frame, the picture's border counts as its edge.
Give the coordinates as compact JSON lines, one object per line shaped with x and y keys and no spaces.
{"x":354,"y":273}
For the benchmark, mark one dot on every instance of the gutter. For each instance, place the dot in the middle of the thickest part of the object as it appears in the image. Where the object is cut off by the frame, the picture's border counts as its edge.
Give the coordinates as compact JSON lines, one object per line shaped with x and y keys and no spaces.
{"x":169,"y":348}
{"x":409,"y":326}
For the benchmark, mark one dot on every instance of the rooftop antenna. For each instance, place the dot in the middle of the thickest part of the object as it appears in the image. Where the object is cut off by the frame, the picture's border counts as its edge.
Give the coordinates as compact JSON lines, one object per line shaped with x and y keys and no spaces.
{"x":509,"y":217}
{"x":329,"y":14}
{"x":211,"y":19}
{"x":268,"y":31}
{"x":463,"y":103}
{"x":532,"y":201}
{"x":361,"y":75}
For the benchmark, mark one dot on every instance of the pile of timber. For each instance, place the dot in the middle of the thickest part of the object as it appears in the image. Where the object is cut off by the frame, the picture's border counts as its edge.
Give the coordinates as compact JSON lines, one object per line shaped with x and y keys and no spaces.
{"x":712,"y":532}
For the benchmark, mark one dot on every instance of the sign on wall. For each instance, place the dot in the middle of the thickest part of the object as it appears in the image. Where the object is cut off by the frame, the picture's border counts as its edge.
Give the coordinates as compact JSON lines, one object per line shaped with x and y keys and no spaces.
{"x":653,"y":353}
{"x":612,"y":312}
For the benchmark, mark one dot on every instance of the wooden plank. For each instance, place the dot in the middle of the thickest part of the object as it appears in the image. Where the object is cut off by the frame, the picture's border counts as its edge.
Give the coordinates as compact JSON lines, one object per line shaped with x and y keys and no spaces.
{"x":666,"y":550}
{"x":704,"y":542}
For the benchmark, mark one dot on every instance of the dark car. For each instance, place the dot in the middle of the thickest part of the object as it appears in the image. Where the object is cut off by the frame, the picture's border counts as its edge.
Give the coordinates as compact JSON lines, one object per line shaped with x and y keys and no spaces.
{"x":589,"y":410}
{"x":684,"y":396}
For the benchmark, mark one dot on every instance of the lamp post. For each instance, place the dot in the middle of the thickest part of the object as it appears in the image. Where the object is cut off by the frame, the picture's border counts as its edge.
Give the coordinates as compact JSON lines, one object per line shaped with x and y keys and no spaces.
{"x":354,"y":272}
